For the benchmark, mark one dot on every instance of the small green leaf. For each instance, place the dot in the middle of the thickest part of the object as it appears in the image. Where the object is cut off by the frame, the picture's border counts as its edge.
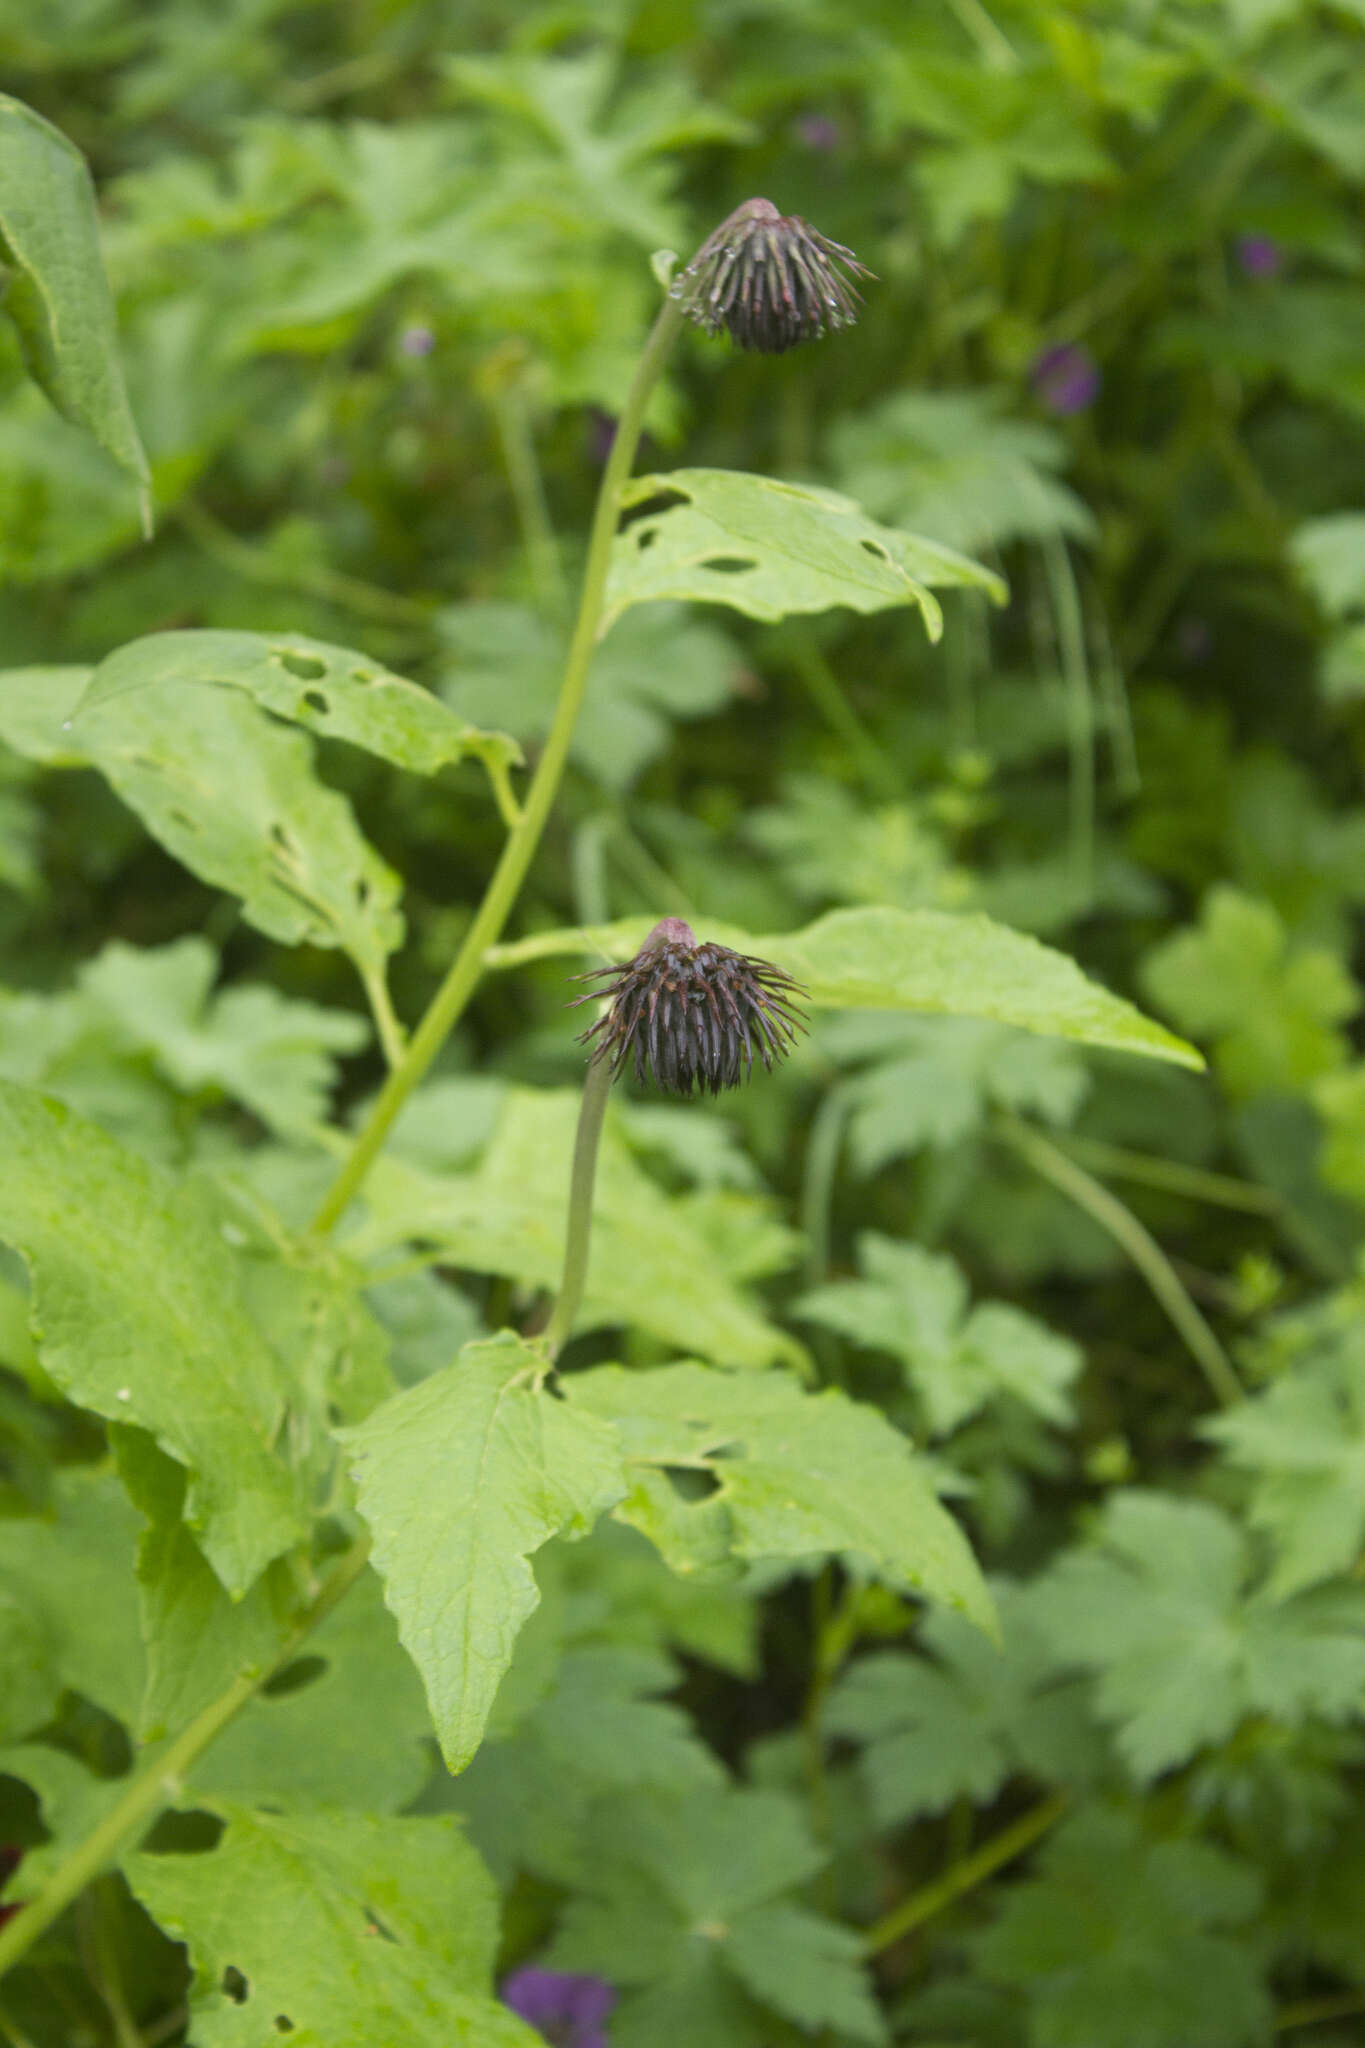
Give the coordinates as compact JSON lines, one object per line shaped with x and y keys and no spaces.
{"x":36,"y":708}
{"x":884,"y":959}
{"x":331,"y":690}
{"x":1330,"y":556}
{"x":233,"y":794}
{"x":138,"y":1306}
{"x":461,"y":1478}
{"x":1271,"y":1008}
{"x":1160,"y":1608}
{"x":1128,"y":1941}
{"x":687,"y":1897}
{"x":914,"y":1304}
{"x":340,"y":1930}
{"x":771,"y":549}
{"x":791,"y":1475}
{"x":58,"y":296}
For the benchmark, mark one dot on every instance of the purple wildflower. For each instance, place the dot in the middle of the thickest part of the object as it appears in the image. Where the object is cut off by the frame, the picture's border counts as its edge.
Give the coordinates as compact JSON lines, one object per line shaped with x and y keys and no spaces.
{"x":569,"y":2011}
{"x":818,"y":132}
{"x":1260,"y":255}
{"x":1066,"y":378}
{"x":417,"y":341}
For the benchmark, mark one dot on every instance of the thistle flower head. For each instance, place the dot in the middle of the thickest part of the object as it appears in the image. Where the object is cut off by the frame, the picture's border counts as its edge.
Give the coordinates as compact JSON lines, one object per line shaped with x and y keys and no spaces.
{"x":693,"y":1014}
{"x":770,"y":280}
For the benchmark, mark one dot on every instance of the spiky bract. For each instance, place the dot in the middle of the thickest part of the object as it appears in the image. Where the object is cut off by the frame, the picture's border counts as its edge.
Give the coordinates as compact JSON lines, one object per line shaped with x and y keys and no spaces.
{"x":770,"y":280}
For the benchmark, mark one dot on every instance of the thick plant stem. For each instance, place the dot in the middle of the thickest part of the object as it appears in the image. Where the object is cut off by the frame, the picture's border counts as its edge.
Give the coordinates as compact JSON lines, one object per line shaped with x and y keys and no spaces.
{"x":1142,"y":1248}
{"x":161,"y":1783}
{"x":966,"y":1875}
{"x":519,"y":847}
{"x":596,"y":1089}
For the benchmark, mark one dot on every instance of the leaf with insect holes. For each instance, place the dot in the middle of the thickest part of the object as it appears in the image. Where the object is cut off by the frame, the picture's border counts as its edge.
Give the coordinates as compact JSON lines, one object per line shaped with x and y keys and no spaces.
{"x":57,"y":293}
{"x":334,"y":1928}
{"x":330,"y":690}
{"x":771,"y":549}
{"x":235,"y":797}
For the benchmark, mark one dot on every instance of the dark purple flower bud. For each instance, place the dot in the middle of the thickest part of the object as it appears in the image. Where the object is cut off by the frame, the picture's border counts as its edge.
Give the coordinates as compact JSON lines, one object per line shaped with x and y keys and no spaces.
{"x":417,"y":341}
{"x":1065,"y":379}
{"x":769,"y":280}
{"x":818,"y":132}
{"x":693,"y":1015}
{"x":570,"y":2011}
{"x":1260,"y":255}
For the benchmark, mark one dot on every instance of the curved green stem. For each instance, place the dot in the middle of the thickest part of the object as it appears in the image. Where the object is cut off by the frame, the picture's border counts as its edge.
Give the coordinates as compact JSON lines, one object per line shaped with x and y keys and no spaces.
{"x":162,"y":1781}
{"x":596,"y":1089}
{"x":519,"y":847}
{"x":963,"y":1877}
{"x":1142,"y":1248}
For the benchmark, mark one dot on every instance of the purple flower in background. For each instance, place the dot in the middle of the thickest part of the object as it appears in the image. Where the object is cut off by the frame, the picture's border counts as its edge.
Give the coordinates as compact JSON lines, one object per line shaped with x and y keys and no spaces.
{"x":818,"y":132}
{"x":569,"y":2011}
{"x":1066,"y":378}
{"x":1260,"y":255}
{"x":417,"y":341}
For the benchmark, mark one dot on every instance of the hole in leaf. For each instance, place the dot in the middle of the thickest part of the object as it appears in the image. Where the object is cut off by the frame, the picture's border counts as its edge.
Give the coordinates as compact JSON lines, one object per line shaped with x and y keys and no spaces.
{"x":283,"y":2023}
{"x":302,"y":1672}
{"x":279,"y":835}
{"x":729,"y":565}
{"x":645,"y":538}
{"x":235,"y":1985}
{"x":874,"y":547}
{"x":690,"y":1484}
{"x":306,"y":667}
{"x":362,"y":892}
{"x":315,"y":701}
{"x":184,"y":1834}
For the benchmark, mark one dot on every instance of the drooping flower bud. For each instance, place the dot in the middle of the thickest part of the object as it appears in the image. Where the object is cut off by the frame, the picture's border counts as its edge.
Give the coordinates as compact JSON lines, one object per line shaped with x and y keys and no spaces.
{"x":693,"y":1014}
{"x":770,"y":280}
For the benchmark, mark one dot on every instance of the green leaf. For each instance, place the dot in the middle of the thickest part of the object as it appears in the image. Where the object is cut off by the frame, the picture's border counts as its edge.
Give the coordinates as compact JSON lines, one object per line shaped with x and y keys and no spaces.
{"x":73,"y":1802}
{"x":791,"y":1475}
{"x":461,"y":1478}
{"x":71,"y":1576}
{"x":36,"y":707}
{"x":344,"y":1725}
{"x":342,"y":1931}
{"x":771,"y":549}
{"x":914,"y":1304}
{"x":1183,"y":1649}
{"x":58,"y":296}
{"x":953,"y":464}
{"x":1303,"y":1440}
{"x":960,"y":1720}
{"x":138,"y":1305}
{"x":234,"y":796}
{"x":915,"y":960}
{"x":1131,"y":1942}
{"x":198,"y":1640}
{"x":933,"y":1081}
{"x":653,"y":1264}
{"x":1330,"y":556}
{"x":686,"y":1900}
{"x":1272,"y":1010}
{"x":658,"y":667}
{"x":330,"y":690}
{"x":272,"y":1053}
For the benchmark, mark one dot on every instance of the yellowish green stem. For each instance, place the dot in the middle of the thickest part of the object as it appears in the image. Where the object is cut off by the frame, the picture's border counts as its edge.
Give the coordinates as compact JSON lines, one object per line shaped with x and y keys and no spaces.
{"x":596,"y":1089}
{"x":963,"y":1877}
{"x":519,"y":848}
{"x":162,"y":1781}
